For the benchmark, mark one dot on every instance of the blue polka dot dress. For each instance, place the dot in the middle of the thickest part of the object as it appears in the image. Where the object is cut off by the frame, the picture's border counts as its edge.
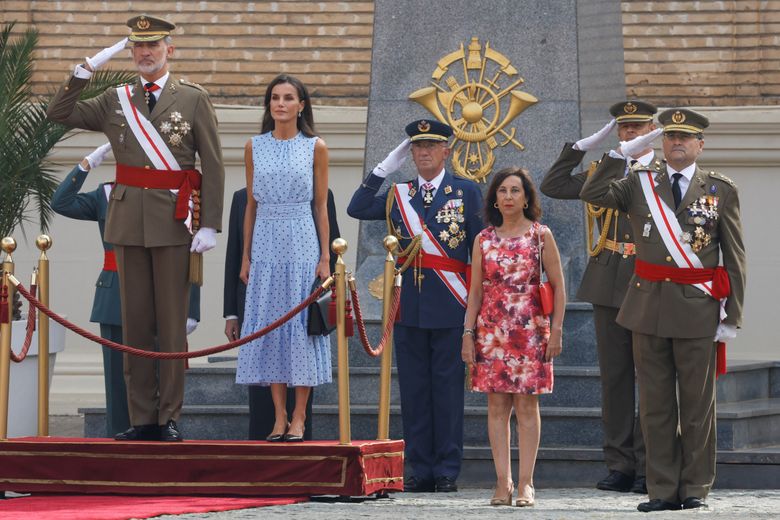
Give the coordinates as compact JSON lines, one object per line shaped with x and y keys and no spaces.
{"x":285,"y":253}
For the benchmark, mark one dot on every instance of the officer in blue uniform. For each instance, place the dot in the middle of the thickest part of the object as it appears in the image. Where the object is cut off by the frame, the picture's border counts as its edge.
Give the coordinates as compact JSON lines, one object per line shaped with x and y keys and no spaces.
{"x":106,"y":309}
{"x":442,"y":214}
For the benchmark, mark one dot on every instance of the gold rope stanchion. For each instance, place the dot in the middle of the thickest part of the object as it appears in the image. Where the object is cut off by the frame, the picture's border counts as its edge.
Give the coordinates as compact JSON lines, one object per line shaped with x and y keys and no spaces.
{"x":43,"y":242}
{"x":383,"y":430}
{"x":8,"y":245}
{"x":339,"y":246}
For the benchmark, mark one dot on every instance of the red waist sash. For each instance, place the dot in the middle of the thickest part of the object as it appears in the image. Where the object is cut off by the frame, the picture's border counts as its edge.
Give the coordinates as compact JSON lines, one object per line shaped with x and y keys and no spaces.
{"x":109,"y":261}
{"x":721,"y":288}
{"x":442,"y":263}
{"x":183,"y":180}
{"x":660,"y":273}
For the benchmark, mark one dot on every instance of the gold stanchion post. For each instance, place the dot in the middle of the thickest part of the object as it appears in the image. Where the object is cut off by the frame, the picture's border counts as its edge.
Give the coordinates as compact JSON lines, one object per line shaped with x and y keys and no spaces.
{"x":339,"y":246}
{"x":385,"y":374}
{"x":8,"y":245}
{"x":43,"y":242}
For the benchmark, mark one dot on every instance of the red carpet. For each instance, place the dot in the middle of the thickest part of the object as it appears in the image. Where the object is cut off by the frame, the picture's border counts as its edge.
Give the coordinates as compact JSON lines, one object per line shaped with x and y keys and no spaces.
{"x":115,"y":507}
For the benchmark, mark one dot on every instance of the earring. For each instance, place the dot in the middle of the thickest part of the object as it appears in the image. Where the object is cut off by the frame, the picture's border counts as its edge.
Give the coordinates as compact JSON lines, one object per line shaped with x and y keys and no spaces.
{"x":525,"y":206}
{"x":495,"y":205}
{"x":299,"y":113}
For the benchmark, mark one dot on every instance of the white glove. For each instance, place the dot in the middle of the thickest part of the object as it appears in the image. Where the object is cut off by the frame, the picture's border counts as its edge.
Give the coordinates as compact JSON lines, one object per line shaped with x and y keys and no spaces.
{"x":394,"y":159}
{"x":591,"y":142}
{"x":96,"y":157}
{"x":725,"y":333}
{"x":636,"y":145}
{"x":191,"y":325}
{"x":204,"y":239}
{"x":102,"y":57}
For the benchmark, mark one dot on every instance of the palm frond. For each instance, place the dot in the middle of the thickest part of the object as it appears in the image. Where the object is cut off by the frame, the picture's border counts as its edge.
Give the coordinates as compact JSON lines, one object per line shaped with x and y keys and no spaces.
{"x":26,"y":136}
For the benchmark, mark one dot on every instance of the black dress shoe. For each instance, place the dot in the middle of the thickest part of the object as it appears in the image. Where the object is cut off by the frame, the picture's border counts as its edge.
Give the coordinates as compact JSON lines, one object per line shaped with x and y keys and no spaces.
{"x":418,"y":485}
{"x":615,"y":481}
{"x":639,"y":486}
{"x":657,"y":504}
{"x":446,"y":485}
{"x":693,"y":503}
{"x":143,"y":432}
{"x":169,"y":432}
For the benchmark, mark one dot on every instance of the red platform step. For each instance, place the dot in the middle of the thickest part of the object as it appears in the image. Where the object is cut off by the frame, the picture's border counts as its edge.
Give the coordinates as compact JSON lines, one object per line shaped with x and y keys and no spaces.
{"x":91,"y":466}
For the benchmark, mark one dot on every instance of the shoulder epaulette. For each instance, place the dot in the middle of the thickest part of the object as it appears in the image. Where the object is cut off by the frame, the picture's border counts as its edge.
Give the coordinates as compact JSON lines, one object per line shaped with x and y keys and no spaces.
{"x":191,"y":84}
{"x":721,"y":177}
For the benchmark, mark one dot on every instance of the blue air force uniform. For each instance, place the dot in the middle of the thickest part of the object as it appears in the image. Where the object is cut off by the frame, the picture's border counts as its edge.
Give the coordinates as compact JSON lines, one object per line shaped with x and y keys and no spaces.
{"x":428,"y":335}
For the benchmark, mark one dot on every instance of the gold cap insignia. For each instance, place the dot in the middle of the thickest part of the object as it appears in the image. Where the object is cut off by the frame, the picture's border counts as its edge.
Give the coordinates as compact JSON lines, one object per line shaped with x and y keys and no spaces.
{"x":629,"y":108}
{"x":678,"y":117}
{"x":143,"y":23}
{"x":423,"y":126}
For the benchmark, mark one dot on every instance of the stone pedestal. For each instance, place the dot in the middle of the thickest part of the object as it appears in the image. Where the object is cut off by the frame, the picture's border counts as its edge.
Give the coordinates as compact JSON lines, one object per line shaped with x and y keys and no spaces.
{"x":570,"y":54}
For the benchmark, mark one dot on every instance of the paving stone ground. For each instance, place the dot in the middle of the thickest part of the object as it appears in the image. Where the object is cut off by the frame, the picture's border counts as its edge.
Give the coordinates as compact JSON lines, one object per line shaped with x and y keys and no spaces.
{"x":551,"y":504}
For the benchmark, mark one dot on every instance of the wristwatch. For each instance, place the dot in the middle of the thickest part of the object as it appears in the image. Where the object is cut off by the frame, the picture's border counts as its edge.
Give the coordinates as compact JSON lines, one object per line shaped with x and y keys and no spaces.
{"x":469,"y":332}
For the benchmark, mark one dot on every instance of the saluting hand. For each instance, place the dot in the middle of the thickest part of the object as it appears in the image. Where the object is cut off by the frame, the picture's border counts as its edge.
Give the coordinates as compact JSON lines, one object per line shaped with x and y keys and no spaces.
{"x":593,"y":141}
{"x":394,"y":159}
{"x":638,"y":144}
{"x":102,"y":57}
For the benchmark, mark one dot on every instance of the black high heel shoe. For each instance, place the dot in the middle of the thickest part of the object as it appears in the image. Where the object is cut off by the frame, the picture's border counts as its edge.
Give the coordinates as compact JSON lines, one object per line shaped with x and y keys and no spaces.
{"x":278,"y":437}
{"x":289,"y":437}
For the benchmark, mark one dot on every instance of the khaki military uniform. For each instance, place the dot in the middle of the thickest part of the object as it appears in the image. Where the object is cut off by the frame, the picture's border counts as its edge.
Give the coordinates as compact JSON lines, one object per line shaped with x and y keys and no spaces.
{"x":152,"y":247}
{"x":674,"y":325}
{"x":604,"y":285}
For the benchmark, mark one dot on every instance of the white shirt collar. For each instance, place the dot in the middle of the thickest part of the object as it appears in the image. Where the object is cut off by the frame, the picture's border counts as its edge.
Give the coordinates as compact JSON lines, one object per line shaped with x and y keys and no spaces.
{"x":687,"y":172}
{"x":160,"y":83}
{"x":436,"y":181}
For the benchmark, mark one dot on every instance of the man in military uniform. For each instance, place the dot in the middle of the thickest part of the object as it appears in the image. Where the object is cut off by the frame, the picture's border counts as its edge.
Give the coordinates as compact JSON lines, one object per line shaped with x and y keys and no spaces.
{"x":106,"y":308}
{"x":438,"y":215}
{"x":604,"y":285}
{"x":155,"y":126}
{"x":680,"y":301}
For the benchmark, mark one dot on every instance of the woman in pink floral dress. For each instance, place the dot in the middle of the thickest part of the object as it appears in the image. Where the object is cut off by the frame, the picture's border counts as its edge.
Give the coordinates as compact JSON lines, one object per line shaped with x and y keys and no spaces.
{"x":508,"y":342}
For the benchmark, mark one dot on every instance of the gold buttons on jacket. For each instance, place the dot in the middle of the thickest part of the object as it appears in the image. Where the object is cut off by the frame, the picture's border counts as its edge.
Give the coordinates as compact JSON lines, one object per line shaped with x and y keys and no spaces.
{"x":638,"y":284}
{"x":667,"y":280}
{"x":626,"y":236}
{"x":668,"y":258}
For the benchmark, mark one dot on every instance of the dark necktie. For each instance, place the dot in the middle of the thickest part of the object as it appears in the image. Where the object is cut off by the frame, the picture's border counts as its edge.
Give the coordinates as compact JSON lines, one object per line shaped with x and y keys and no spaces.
{"x":151,"y":100}
{"x":676,"y":192}
{"x":427,"y":194}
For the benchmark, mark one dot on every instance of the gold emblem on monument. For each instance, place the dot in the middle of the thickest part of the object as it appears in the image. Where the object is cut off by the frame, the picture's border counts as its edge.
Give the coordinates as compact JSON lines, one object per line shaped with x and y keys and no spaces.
{"x":475,"y":92}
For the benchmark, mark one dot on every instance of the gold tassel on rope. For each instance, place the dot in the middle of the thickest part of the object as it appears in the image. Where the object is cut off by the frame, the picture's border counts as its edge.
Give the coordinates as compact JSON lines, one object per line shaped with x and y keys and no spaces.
{"x":594,"y":212}
{"x":196,"y":259}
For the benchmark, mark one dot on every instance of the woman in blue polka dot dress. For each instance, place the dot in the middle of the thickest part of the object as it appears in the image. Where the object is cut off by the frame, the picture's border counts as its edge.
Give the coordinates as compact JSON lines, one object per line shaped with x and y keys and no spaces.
{"x":286,"y":166}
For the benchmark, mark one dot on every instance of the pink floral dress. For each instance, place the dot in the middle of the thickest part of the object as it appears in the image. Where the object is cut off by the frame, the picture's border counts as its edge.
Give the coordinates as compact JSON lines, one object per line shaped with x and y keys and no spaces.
{"x":511,"y":331}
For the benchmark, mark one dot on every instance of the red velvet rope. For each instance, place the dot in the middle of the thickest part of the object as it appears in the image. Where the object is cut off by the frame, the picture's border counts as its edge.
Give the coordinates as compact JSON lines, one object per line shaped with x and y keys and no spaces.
{"x":374,"y":352}
{"x":30,"y":330}
{"x":169,"y":355}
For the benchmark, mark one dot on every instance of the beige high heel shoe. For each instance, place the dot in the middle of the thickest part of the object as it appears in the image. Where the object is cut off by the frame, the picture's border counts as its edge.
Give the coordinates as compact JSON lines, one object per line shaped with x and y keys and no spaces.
{"x":504,"y":501}
{"x":527,"y":501}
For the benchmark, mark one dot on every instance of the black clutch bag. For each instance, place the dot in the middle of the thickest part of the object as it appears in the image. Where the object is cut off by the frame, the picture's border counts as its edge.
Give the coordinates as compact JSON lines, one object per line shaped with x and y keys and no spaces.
{"x":319,"y":315}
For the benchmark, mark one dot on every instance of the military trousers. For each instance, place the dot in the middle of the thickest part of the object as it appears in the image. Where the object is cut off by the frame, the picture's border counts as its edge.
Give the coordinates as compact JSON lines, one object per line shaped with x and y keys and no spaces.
{"x":677,"y":406}
{"x":624,"y":447}
{"x":430,"y":377}
{"x":154,"y":289}
{"x":117,"y":416}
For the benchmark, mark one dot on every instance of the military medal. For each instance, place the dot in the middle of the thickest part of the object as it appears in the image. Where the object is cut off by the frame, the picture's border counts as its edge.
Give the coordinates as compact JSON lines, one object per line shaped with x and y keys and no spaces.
{"x":175,"y":128}
{"x":646,"y":229}
{"x":447,"y":189}
{"x":427,"y":197}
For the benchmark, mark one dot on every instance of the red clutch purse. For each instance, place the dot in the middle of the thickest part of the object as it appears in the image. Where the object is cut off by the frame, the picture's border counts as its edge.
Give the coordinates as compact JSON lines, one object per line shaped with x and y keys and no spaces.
{"x":546,"y":293}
